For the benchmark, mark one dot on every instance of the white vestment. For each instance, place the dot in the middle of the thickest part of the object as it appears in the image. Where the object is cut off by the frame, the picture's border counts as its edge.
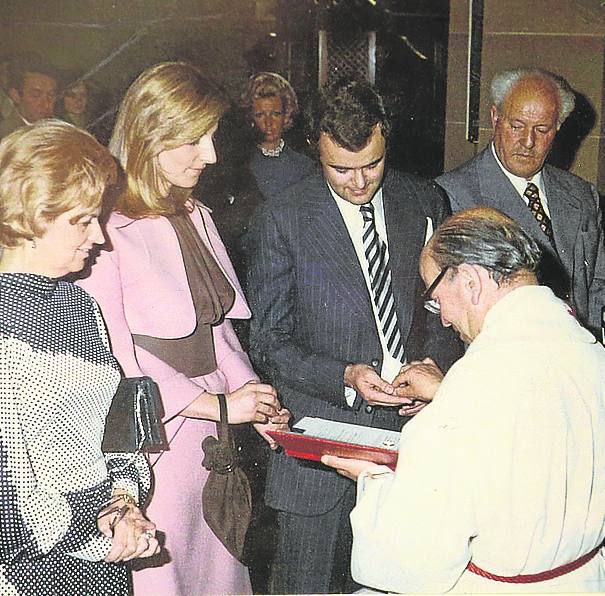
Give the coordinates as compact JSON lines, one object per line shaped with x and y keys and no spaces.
{"x":505,"y":467}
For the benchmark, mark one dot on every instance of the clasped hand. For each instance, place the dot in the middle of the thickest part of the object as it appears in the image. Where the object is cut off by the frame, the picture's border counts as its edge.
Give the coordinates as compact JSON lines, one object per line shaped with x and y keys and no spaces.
{"x":418,"y":380}
{"x":411,"y":390}
{"x":132,"y":535}
{"x":373,"y":388}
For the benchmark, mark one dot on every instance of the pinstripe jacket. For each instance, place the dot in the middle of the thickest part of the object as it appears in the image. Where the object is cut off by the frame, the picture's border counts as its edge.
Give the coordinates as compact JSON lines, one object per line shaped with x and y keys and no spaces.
{"x":312,"y":315}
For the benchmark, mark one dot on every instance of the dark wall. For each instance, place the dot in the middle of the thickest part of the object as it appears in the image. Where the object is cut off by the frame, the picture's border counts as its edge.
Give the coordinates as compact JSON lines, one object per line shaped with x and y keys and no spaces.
{"x":411,"y":64}
{"x":114,"y":41}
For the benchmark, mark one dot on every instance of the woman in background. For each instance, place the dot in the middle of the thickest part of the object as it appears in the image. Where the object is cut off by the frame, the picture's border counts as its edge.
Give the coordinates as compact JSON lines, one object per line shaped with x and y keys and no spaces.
{"x":75,"y":103}
{"x":68,"y":514}
{"x":168,"y":291}
{"x":271,"y":106}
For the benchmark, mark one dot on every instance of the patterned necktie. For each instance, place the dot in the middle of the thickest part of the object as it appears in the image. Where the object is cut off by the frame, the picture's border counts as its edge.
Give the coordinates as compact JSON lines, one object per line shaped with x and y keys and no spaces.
{"x":380,"y":280}
{"x":535,"y":204}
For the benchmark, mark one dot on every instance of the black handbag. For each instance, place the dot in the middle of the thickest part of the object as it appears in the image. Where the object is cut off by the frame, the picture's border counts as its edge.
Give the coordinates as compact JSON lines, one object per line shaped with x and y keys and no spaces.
{"x":134,"y":421}
{"x":226,"y":496}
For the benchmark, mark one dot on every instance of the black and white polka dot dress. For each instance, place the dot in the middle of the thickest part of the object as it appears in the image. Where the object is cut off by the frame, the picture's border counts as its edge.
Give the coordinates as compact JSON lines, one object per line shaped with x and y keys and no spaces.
{"x":57,"y":379}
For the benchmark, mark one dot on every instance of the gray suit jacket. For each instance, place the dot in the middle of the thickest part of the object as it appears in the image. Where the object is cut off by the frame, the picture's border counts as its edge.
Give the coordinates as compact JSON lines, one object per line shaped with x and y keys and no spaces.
{"x":312,"y":315}
{"x":573,"y":203}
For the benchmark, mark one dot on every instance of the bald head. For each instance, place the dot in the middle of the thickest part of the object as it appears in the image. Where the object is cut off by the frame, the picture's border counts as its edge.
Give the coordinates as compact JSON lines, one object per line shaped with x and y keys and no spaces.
{"x":525,"y":124}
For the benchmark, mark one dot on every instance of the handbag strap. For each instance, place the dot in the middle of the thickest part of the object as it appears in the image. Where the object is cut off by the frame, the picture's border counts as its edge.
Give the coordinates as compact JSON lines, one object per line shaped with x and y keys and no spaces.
{"x":222,"y":426}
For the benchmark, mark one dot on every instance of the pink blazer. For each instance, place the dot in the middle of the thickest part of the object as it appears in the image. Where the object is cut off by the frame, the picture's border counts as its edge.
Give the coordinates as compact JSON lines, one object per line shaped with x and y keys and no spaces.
{"x":139,"y":281}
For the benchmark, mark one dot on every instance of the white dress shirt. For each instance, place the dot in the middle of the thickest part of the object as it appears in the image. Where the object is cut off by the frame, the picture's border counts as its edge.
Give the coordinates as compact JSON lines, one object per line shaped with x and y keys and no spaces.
{"x":520,"y":184}
{"x":354,"y":222}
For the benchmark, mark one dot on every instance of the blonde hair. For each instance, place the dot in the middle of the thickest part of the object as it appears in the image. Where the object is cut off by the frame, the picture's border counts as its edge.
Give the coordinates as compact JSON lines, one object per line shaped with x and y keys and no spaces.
{"x":270,"y":84}
{"x":169,"y":105}
{"x":46,"y":169}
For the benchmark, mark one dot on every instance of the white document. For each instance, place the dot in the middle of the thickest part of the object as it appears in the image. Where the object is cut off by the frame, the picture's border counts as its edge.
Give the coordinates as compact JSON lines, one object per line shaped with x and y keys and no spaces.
{"x":349,"y":433}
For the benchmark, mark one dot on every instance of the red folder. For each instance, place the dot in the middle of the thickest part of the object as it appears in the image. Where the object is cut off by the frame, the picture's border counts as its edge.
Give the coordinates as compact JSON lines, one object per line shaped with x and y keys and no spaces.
{"x":309,"y":447}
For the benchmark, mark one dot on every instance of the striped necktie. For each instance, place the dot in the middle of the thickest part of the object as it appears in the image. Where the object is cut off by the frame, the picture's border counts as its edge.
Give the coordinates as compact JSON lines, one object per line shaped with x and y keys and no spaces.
{"x":380,"y":280}
{"x":532,"y":194}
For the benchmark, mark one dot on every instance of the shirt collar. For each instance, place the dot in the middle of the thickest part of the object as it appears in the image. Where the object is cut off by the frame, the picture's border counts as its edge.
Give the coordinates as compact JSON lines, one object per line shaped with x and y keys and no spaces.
{"x":352,"y":209}
{"x":519,"y":183}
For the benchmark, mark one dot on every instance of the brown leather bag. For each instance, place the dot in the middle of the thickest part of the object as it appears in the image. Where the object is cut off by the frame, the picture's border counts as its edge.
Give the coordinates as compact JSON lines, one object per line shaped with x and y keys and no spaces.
{"x":226,"y":497}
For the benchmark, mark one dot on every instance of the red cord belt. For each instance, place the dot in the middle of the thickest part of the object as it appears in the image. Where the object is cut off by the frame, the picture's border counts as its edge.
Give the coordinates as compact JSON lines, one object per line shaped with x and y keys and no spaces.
{"x":535,"y":577}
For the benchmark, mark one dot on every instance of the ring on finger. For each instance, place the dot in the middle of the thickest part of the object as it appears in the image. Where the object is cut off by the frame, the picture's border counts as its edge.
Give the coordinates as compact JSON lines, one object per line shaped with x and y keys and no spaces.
{"x":147,"y":534}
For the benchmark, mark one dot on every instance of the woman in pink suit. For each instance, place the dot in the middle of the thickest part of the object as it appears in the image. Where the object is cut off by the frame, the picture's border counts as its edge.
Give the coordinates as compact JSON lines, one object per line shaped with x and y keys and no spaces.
{"x":167,"y":291}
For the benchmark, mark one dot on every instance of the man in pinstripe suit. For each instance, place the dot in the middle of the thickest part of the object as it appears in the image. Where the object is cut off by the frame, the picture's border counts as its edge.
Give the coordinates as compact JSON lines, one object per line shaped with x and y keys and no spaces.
{"x":319,"y":331}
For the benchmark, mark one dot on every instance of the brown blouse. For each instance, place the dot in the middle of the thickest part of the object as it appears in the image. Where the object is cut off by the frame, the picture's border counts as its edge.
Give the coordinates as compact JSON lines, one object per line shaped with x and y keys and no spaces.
{"x":213,"y":296}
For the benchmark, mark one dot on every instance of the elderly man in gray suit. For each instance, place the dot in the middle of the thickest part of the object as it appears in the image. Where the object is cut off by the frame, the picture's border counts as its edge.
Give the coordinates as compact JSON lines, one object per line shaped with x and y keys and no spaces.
{"x":337,"y":310}
{"x":559,"y":210}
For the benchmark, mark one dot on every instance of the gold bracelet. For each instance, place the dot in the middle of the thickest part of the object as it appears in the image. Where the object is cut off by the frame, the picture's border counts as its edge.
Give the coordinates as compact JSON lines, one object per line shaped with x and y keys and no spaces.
{"x":127,"y":498}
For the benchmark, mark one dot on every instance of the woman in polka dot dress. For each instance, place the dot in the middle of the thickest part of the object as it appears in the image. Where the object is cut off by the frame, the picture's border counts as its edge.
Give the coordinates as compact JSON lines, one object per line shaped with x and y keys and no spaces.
{"x":68,"y":514}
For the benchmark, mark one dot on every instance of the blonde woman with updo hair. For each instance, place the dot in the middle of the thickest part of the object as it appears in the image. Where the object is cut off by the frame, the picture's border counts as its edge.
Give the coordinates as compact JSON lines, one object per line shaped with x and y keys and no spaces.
{"x":271,"y":105}
{"x":168,"y":293}
{"x":69,"y":515}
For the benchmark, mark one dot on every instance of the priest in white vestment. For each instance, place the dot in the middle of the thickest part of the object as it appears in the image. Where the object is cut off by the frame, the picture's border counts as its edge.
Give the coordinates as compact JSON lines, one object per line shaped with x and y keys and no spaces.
{"x":500,"y":482}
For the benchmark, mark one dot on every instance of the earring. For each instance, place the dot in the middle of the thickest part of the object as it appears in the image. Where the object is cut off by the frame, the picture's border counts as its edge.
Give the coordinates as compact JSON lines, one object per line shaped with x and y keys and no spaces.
{"x":33,"y":243}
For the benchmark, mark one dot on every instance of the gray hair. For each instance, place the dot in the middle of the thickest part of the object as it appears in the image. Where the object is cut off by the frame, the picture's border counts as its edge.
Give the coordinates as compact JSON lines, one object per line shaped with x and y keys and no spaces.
{"x":486,"y":237}
{"x":503,"y":83}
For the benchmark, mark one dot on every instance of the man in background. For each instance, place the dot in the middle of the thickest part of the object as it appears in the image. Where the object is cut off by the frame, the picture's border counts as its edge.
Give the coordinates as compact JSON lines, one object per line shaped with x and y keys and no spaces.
{"x":559,"y":210}
{"x":33,"y":90}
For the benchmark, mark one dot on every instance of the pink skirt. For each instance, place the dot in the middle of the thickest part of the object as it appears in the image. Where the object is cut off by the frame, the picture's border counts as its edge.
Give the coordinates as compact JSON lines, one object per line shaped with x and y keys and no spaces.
{"x":193,"y":561}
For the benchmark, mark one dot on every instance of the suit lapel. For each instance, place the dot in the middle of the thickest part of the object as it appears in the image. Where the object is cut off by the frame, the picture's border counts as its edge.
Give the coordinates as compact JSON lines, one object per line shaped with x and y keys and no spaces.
{"x":406,"y":232}
{"x":332,"y":243}
{"x":496,"y":190}
{"x":565,"y":214}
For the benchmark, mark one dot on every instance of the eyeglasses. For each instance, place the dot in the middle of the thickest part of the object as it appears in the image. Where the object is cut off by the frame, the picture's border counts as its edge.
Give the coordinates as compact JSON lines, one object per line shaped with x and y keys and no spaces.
{"x":429,"y":303}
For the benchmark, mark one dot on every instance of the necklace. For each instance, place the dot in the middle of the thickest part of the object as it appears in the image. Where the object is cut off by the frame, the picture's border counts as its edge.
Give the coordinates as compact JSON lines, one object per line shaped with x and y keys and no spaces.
{"x":273,"y":152}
